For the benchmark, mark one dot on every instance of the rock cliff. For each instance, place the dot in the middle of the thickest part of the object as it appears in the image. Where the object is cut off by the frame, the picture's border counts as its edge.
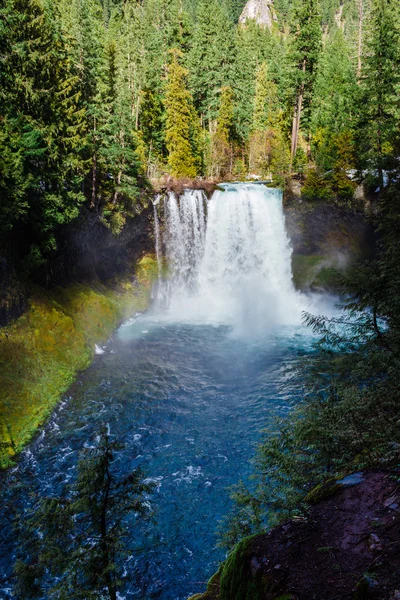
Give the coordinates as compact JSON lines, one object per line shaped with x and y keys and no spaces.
{"x":346,"y":546}
{"x":262,"y":11}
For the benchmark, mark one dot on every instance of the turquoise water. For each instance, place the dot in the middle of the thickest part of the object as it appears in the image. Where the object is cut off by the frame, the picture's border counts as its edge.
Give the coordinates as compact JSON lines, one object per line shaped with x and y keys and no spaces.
{"x":188,"y":401}
{"x":187,"y":388}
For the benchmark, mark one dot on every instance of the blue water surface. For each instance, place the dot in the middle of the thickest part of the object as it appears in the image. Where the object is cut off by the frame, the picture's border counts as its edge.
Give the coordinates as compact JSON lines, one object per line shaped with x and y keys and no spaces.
{"x":189,"y":402}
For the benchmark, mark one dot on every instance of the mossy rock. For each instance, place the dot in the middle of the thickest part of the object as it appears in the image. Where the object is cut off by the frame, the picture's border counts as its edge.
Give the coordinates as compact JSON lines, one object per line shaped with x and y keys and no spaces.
{"x":213,"y":587}
{"x":324,"y":490}
{"x":313,"y":272}
{"x":242,"y":578}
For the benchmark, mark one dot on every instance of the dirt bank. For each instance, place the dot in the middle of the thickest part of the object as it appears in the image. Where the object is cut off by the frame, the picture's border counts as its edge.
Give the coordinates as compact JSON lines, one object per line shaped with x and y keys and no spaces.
{"x":347,"y":547}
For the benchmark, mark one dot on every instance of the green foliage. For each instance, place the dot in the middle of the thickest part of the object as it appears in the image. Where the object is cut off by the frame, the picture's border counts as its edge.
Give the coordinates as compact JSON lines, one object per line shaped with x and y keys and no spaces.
{"x":268,"y":149}
{"x":305,"y":52}
{"x":78,"y":538}
{"x":180,"y":121}
{"x":42,"y":351}
{"x":336,"y":92}
{"x":316,"y":187}
{"x":342,"y":185}
{"x":222,"y":139}
{"x":380,"y":108}
{"x":210,"y":60}
{"x":40,"y":172}
{"x":348,"y":420}
{"x":237,"y":580}
{"x":255,"y":46}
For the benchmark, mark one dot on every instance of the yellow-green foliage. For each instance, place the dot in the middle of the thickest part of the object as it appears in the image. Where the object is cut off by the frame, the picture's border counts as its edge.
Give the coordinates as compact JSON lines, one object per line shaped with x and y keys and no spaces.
{"x":42,"y":351}
{"x":180,"y":117}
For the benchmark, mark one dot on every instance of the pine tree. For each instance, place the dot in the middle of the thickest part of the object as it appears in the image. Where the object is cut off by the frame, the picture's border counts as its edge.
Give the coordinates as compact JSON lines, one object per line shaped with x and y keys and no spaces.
{"x":267,"y":109}
{"x":267,"y":147}
{"x":211,"y":58}
{"x":222,"y":139}
{"x":77,"y":539}
{"x":380,"y":108}
{"x":254,"y":45}
{"x":306,"y":43}
{"x":335,"y":98}
{"x":179,"y":120}
{"x":42,"y":121}
{"x":118,"y":164}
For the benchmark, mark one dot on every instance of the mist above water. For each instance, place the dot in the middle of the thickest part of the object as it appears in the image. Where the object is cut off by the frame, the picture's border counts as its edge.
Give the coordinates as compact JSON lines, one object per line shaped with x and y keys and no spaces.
{"x":229,"y":260}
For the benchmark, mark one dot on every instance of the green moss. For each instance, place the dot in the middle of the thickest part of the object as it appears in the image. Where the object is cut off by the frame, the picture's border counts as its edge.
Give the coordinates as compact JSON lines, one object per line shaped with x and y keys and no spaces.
{"x":305,"y":268}
{"x":315,"y":271}
{"x":212,"y":591}
{"x":43,"y":350}
{"x":238,"y":580}
{"x":322,"y":491}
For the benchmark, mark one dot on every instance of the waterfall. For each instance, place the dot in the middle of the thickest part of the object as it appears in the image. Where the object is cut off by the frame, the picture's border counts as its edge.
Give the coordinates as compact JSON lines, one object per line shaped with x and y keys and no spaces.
{"x":229,"y":259}
{"x":157,"y":235}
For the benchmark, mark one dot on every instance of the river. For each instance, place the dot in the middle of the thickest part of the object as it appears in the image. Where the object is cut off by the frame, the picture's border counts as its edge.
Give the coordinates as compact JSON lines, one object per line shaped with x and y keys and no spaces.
{"x":188,"y":386}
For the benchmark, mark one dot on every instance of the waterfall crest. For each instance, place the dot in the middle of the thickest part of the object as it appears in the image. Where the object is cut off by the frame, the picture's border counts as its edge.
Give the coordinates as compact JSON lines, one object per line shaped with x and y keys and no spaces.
{"x":229,"y":259}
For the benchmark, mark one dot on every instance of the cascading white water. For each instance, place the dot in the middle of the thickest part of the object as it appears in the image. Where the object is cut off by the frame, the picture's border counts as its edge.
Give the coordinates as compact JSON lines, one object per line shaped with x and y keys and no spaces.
{"x":157,"y":235}
{"x":230,"y":259}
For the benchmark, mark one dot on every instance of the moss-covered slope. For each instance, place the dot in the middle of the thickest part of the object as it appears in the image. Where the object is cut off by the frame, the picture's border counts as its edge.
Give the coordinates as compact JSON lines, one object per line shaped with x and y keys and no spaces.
{"x":43,"y":350}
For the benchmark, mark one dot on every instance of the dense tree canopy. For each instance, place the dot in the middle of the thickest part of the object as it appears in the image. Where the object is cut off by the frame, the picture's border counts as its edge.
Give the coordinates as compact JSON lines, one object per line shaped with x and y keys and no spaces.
{"x":94,"y":105}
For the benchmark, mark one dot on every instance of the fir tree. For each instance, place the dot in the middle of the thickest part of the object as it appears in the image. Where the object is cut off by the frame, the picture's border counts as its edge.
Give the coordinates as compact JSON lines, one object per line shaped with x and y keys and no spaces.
{"x":222,"y":151}
{"x":306,"y":43}
{"x":335,"y":98}
{"x":254,"y":46}
{"x":78,"y":539}
{"x":179,"y":120}
{"x":267,"y":147}
{"x":211,"y":58}
{"x":42,"y":121}
{"x":380,"y":109}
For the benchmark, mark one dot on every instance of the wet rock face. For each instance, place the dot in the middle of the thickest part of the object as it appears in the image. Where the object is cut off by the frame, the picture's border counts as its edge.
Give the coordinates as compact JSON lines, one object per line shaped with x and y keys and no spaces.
{"x":262,"y":11}
{"x":13,"y":294}
{"x":323,"y":237}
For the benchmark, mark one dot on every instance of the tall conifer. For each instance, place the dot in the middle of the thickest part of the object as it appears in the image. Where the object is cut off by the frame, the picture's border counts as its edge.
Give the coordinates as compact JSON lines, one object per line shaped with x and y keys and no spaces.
{"x":179,"y":120}
{"x":380,"y":132}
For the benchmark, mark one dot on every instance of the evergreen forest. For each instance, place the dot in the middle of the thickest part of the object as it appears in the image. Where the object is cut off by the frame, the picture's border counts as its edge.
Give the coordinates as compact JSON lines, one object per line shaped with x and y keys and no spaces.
{"x":100,"y":99}
{"x":117,"y":118}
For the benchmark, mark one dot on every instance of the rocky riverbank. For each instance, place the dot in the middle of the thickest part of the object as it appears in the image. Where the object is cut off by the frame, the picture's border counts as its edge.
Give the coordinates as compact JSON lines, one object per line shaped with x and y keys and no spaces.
{"x":347,"y":546}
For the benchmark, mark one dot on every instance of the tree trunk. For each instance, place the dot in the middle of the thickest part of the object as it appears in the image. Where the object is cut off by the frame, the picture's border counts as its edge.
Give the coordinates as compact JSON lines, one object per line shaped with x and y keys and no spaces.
{"x":379,"y":148}
{"x":360,"y":30}
{"x":137,"y":112}
{"x":109,"y":578}
{"x":296,"y":118}
{"x":120,"y":172}
{"x":94,"y":168}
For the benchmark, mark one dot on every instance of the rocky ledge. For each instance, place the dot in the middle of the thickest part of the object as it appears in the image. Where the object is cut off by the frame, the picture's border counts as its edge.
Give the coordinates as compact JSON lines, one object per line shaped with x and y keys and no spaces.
{"x":348,"y":546}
